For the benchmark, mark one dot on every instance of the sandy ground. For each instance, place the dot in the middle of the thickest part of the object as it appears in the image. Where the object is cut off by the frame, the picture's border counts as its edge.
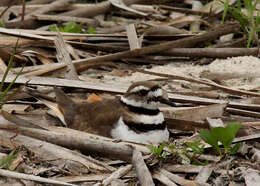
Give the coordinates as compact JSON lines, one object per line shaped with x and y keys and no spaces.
{"x":247,"y":69}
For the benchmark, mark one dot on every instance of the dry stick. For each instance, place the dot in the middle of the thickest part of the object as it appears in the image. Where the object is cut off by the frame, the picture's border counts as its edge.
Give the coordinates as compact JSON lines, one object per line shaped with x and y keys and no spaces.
{"x":117,"y":174}
{"x":24,"y":123}
{"x":185,"y":42}
{"x":220,"y":76}
{"x":48,"y":151}
{"x":49,"y":33}
{"x":52,"y":6}
{"x":211,"y":52}
{"x":78,"y":140}
{"x":86,"y":21}
{"x":16,"y":175}
{"x":243,"y":112}
{"x":120,"y":89}
{"x":183,"y":168}
{"x":181,"y":43}
{"x":178,"y":179}
{"x":21,"y":33}
{"x":123,"y":6}
{"x":64,"y":56}
{"x":201,"y":81}
{"x":132,"y":37}
{"x":204,"y":174}
{"x":163,"y":179}
{"x":92,"y":10}
{"x":184,"y":10}
{"x":256,"y":154}
{"x":29,"y":20}
{"x":36,"y":2}
{"x":143,"y":174}
{"x":43,"y":69}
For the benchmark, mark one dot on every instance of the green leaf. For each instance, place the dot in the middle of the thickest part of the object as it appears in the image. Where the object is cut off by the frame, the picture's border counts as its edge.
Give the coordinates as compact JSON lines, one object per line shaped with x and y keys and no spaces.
{"x":91,"y":30}
{"x":164,"y":155}
{"x":195,"y":146}
{"x":227,"y":134}
{"x":2,"y":24}
{"x":73,"y":27}
{"x":153,"y":149}
{"x":210,"y":138}
{"x":52,"y":28}
{"x":235,"y":148}
{"x":171,"y":146}
{"x":160,"y":148}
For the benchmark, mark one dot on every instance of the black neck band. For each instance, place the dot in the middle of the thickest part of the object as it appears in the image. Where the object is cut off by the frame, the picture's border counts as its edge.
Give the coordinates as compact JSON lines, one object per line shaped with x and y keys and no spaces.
{"x":140,"y":127}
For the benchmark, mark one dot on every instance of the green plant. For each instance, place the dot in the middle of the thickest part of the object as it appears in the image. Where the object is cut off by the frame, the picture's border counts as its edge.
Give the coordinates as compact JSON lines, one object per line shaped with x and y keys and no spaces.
{"x":91,"y":30}
{"x":3,"y":93}
{"x":2,"y":24}
{"x":5,"y":162}
{"x":248,"y":21}
{"x":224,"y":135}
{"x":184,"y":155}
{"x":196,"y":149}
{"x":158,"y":151}
{"x":71,"y":27}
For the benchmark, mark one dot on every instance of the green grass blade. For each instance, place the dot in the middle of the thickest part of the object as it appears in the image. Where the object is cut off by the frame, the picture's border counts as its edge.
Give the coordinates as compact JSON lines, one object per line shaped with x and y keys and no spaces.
{"x":6,"y":161}
{"x":250,"y":36}
{"x":10,"y":64}
{"x":226,"y":7}
{"x":239,"y":6}
{"x":10,"y":86}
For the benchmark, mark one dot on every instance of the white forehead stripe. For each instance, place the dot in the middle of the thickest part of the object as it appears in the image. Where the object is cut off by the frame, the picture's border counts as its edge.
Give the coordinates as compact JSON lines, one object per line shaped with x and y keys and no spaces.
{"x":138,"y":88}
{"x":157,"y":93}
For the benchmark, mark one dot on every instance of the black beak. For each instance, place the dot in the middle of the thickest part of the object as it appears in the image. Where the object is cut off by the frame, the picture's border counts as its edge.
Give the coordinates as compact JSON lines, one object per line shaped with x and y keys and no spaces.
{"x":166,"y":101}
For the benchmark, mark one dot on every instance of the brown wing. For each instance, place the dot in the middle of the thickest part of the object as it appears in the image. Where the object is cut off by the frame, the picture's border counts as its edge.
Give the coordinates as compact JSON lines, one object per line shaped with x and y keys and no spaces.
{"x":98,"y":117}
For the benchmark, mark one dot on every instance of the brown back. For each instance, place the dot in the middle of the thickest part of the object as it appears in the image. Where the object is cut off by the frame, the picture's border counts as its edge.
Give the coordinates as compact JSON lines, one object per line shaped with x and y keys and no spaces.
{"x":97,"y":117}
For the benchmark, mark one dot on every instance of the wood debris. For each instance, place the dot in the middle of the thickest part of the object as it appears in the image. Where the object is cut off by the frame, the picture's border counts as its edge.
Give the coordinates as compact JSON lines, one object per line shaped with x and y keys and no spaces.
{"x":94,"y":50}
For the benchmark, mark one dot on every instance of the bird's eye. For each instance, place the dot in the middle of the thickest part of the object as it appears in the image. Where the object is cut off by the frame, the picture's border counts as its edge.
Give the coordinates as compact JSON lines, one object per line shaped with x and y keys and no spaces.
{"x":143,"y":92}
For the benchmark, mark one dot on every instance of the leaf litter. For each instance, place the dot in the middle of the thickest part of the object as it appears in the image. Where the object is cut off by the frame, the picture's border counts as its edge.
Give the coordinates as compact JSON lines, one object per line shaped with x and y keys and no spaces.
{"x":62,"y":156}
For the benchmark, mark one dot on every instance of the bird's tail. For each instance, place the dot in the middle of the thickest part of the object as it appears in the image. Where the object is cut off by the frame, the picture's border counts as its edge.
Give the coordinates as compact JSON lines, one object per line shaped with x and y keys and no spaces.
{"x":66,"y":105}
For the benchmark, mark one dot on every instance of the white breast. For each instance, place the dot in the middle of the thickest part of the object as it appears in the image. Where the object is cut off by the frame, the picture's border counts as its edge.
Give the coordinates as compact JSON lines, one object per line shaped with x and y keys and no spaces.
{"x":122,"y":132}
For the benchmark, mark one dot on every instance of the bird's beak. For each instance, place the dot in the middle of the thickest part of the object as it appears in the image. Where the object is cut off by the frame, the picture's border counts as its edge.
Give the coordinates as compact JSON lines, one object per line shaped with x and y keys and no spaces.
{"x":166,"y":101}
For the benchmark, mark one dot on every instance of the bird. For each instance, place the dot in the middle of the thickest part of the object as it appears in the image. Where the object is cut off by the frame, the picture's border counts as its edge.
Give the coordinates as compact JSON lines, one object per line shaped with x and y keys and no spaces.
{"x":133,"y":117}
